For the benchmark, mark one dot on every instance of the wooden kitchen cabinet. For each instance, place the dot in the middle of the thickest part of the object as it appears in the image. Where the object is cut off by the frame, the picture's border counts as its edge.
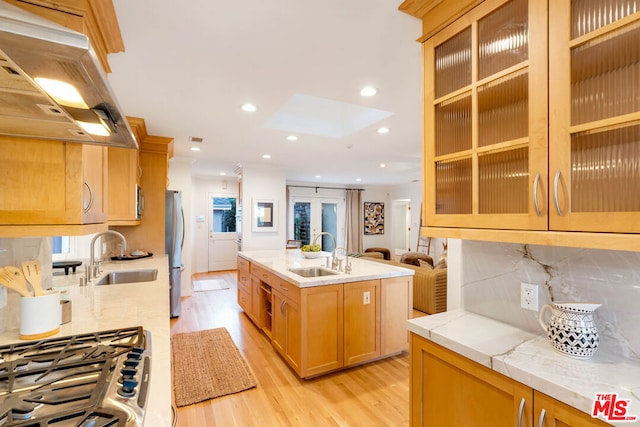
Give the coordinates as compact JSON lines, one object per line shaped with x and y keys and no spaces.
{"x":485,"y":148}
{"x":320,"y":329}
{"x":449,"y":390}
{"x":557,"y":414}
{"x":124,"y":175}
{"x":396,"y":307}
{"x":594,"y":125}
{"x":51,"y":183}
{"x":94,"y":184}
{"x":361,"y":321}
{"x":538,"y":138}
{"x":154,"y":155}
{"x":286,"y":327}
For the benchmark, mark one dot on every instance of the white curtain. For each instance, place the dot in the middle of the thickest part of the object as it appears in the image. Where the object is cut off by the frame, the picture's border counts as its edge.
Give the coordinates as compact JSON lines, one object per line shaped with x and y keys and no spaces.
{"x":353,"y":222}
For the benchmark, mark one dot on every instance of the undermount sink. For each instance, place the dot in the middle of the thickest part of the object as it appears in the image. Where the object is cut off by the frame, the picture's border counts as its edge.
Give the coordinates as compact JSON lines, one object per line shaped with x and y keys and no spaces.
{"x":313,"y":271}
{"x":129,"y":276}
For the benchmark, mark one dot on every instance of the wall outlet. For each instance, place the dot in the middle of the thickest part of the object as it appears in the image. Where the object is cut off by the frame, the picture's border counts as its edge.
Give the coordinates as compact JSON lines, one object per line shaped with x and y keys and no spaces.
{"x":529,"y":296}
{"x":367,"y":298}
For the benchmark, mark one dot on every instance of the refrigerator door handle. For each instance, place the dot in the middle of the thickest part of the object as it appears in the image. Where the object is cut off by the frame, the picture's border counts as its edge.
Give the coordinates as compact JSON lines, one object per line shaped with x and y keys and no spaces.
{"x":182,"y":216}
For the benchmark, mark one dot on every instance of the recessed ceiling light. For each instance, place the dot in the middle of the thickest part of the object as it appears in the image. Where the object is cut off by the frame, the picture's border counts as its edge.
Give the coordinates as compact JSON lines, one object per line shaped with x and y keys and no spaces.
{"x":223,"y":173}
{"x":266,"y":156}
{"x":292,"y":138}
{"x":382,"y":165}
{"x":195,"y":148}
{"x":358,"y":179}
{"x":318,"y":176}
{"x":383,"y":130}
{"x":249,"y":108}
{"x":368,"y":91}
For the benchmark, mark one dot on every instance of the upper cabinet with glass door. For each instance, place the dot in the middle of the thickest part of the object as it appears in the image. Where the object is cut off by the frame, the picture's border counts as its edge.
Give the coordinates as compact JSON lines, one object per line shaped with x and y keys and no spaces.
{"x":485,"y":148}
{"x":594,"y":123}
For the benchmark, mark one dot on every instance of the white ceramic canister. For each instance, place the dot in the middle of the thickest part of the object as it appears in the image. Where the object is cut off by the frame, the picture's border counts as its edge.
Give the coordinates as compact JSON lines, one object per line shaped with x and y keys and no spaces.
{"x":40,"y":316}
{"x":571,"y":328}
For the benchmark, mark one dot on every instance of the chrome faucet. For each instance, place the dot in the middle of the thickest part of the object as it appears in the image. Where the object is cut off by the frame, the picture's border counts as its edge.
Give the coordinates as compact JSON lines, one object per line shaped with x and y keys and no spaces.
{"x":347,"y":265}
{"x":92,"y":263}
{"x":333,"y":252}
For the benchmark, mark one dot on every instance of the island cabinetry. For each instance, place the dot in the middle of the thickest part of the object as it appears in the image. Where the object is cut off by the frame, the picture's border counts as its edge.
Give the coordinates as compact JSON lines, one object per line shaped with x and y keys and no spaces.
{"x":361,"y":321}
{"x":244,"y":291}
{"x":322,"y":332}
{"x":396,"y":306}
{"x":324,"y":328}
{"x":286,"y":327}
{"x":450,"y":390}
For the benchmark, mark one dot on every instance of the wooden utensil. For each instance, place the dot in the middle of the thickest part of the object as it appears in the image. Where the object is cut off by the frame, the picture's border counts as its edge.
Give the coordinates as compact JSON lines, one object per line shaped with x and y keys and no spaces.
{"x":33,"y":273}
{"x":12,"y":278}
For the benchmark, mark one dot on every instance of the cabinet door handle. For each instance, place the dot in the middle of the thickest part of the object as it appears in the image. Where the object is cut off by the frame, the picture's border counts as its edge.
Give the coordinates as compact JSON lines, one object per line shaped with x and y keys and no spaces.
{"x":520,"y":409}
{"x":536,"y":181}
{"x":556,"y":181}
{"x":88,"y":207}
{"x":541,"y":420}
{"x":282,"y":307}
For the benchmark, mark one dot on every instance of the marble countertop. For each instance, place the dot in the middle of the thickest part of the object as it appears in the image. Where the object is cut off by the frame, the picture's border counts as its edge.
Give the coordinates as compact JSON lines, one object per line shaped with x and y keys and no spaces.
{"x":280,"y":261}
{"x":146,"y":304}
{"x":531,"y":360}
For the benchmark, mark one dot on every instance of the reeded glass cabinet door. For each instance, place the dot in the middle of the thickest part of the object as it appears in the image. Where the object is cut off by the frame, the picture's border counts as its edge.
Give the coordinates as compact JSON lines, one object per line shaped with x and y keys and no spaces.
{"x":594,"y":125}
{"x":486,"y":119}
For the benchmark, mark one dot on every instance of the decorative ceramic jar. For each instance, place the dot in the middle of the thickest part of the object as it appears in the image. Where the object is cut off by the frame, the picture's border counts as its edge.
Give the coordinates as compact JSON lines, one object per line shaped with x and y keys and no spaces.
{"x":571,"y":328}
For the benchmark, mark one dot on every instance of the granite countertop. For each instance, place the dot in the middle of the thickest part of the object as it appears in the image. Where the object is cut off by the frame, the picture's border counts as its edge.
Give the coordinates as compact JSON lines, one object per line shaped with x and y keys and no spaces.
{"x":280,"y":261}
{"x":146,"y":304}
{"x":530,"y":359}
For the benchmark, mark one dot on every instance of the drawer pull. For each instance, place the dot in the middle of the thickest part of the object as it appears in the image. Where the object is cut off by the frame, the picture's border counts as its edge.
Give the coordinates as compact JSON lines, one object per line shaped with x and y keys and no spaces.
{"x":556,"y":181}
{"x":284,"y":288}
{"x":520,"y":409}
{"x":536,"y":181}
{"x":541,"y":420}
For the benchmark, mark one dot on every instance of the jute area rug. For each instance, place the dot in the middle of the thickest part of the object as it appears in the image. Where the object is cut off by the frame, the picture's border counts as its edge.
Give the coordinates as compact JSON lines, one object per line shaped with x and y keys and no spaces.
{"x":209,"y":285}
{"x":207,"y":364}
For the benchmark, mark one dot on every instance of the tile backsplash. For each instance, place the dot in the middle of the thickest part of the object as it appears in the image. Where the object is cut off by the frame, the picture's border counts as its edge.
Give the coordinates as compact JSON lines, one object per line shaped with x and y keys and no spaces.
{"x":492,"y":273}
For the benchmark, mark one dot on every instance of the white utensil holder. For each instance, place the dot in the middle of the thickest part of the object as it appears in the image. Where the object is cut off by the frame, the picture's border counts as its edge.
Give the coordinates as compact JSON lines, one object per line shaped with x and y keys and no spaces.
{"x":40,"y":316}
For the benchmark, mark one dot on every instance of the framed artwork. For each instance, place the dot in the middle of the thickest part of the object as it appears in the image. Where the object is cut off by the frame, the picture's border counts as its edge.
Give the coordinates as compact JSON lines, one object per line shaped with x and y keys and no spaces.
{"x":373,"y":218}
{"x":265,"y":215}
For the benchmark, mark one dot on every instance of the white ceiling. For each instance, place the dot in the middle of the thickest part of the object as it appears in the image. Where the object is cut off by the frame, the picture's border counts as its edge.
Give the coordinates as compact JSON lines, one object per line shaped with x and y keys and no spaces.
{"x":189,"y":66}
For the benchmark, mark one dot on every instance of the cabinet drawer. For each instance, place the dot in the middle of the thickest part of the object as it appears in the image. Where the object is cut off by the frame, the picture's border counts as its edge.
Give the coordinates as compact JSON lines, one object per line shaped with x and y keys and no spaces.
{"x":244,"y":300}
{"x":263,"y":274}
{"x":289,"y":290}
{"x":243,"y":264}
{"x":244,"y":281}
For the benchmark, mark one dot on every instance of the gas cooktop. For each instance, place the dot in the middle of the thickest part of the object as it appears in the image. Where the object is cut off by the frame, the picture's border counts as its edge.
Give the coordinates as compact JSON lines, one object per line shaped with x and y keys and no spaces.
{"x":97,"y":379}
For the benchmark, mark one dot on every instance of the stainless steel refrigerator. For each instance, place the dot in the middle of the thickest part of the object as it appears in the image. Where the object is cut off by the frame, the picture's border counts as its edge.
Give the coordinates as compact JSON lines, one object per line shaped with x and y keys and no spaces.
{"x":174,"y":242}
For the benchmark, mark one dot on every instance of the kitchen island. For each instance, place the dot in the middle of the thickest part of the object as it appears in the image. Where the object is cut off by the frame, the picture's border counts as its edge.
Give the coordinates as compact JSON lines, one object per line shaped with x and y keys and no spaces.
{"x":514,"y":368}
{"x":146,"y":304}
{"x":327,"y":322}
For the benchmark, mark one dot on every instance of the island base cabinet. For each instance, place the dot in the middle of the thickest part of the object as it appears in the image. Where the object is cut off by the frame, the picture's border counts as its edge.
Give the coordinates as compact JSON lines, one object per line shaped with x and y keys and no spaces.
{"x":361,"y":321}
{"x":286,"y":329}
{"x":396,"y":306}
{"x":322,"y":318}
{"x":449,"y":390}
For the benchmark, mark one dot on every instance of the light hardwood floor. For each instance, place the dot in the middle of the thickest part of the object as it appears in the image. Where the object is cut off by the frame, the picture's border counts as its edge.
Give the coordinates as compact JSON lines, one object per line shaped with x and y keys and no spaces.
{"x":375,"y":394}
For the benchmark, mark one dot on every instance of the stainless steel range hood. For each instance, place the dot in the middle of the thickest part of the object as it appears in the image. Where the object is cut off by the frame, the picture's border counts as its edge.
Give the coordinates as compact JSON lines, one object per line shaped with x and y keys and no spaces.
{"x":31,"y":48}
